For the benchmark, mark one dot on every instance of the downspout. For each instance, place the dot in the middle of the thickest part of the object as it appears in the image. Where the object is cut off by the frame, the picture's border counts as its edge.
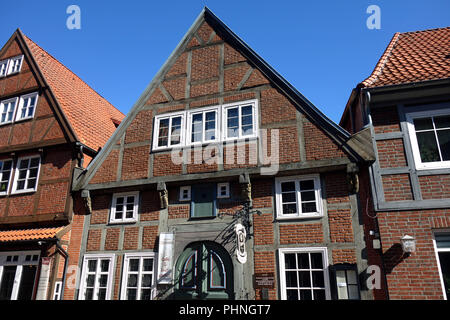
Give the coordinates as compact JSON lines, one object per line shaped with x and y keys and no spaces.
{"x":368,"y":117}
{"x":66,"y":263}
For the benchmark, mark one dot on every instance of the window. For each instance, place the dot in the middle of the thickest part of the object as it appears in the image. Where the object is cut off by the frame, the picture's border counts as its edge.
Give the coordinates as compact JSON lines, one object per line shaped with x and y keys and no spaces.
{"x":26,"y":174}
{"x":298,"y":197}
{"x":5,"y":175}
{"x":203,"y":201}
{"x":57,"y":291}
{"x":239,"y":121}
{"x":346,"y":285}
{"x":7,"y":109}
{"x":203,"y":125}
{"x":138,"y":280}
{"x":27,"y":106}
{"x":223,"y":190}
{"x":96,"y":278}
{"x":185,"y":193}
{"x":3,"y":67}
{"x":304,"y":274}
{"x":169,"y":130}
{"x":18,"y":274}
{"x":442,"y":249}
{"x":430,"y":138}
{"x":124,"y":207}
{"x":15,"y":64}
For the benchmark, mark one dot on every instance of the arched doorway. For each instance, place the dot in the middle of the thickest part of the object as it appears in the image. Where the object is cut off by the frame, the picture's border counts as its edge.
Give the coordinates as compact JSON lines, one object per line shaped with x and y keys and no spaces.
{"x":204,"y":270}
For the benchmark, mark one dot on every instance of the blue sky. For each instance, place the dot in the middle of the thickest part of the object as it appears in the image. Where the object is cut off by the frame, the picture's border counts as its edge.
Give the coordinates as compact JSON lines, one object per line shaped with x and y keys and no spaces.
{"x":323,"y":48}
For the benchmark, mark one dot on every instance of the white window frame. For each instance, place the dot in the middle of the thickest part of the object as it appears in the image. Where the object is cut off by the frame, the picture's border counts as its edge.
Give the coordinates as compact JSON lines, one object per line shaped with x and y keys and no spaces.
{"x":299,"y":214}
{"x":124,"y":195}
{"x":227,"y":188}
{"x":84,"y":274}
{"x":16,"y":175}
{"x":2,"y":106}
{"x":10,"y":174}
{"x":436,"y":252}
{"x":225,"y":107}
{"x":203,"y":111}
{"x":11,"y":64}
{"x":156,"y":130}
{"x":281,"y":259}
{"x":5,"y":68}
{"x":140,"y":256}
{"x":182,"y":197}
{"x":413,"y":138}
{"x":21,"y":261}
{"x":21,"y":105}
{"x":221,"y":131}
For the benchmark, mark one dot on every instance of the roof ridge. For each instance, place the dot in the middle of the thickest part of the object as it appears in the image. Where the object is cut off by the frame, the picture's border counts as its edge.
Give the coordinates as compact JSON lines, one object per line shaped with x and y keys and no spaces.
{"x":382,"y":62}
{"x":425,"y":30}
{"x":70,"y":71}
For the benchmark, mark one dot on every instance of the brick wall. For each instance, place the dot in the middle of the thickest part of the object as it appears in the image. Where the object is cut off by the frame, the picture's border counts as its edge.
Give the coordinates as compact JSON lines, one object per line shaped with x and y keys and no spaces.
{"x":391,"y":153}
{"x":397,"y":187}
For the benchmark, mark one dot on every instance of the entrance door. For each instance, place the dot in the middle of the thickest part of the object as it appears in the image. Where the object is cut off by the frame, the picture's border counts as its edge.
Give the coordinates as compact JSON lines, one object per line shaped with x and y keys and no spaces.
{"x":204,"y":271}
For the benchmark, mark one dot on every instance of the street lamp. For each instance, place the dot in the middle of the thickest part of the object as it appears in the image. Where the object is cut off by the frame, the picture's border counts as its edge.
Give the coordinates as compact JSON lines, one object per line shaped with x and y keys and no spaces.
{"x":408,"y":244}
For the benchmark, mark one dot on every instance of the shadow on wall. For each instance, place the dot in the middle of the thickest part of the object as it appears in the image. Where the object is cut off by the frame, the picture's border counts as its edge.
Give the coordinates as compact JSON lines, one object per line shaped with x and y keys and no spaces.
{"x":393,"y":257}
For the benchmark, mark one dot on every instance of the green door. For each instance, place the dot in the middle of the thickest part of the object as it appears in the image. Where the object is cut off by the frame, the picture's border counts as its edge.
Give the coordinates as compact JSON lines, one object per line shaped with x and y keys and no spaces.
{"x":204,"y":271}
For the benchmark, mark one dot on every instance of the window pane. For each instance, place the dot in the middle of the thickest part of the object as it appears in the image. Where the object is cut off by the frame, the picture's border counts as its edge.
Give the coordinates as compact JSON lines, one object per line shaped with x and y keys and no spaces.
{"x":102,"y":294}
{"x":309,"y":207}
{"x":292,"y":294}
{"x":318,"y":280}
{"x":146,"y":280}
{"x":307,"y":185}
{"x":303,"y":260}
{"x":305,"y":278}
{"x":119,"y":212}
{"x":289,"y":208}
{"x":22,"y":174}
{"x":319,"y":294}
{"x":444,"y":260}
{"x":175,"y":135}
{"x":444,"y":143}
{"x":316,"y":260}
{"x":305,"y":294}
{"x":132,"y":280}
{"x":104,"y":266}
{"x":20,"y":185}
{"x":89,"y":295}
{"x":33,"y":173}
{"x":92,"y":265}
{"x":131,"y":294}
{"x":232,"y":122}
{"x":148,"y":265}
{"x":291,"y":279}
{"x":90,"y":281}
{"x":423,"y":124}
{"x":119,"y":200}
{"x":31,"y":184}
{"x":353,"y":292}
{"x":34,"y":162}
{"x":287,"y":186}
{"x":7,"y":282}
{"x":308,"y":196}
{"x":289,"y":260}
{"x":23,"y":164}
{"x":103,"y":282}
{"x":288,"y":197}
{"x":351,"y":277}
{"x":427,"y":146}
{"x":210,"y":125}
{"x":442,"y":122}
{"x":163,"y":133}
{"x":133,"y":265}
{"x":146,"y":294}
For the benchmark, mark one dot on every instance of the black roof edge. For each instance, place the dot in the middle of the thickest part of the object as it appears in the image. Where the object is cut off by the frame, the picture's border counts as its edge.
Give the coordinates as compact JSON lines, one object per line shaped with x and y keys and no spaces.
{"x":338,"y":132}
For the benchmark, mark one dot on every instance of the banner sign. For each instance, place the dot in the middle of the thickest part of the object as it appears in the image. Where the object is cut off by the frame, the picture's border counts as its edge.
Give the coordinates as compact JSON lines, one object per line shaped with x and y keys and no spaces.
{"x":165,"y":257}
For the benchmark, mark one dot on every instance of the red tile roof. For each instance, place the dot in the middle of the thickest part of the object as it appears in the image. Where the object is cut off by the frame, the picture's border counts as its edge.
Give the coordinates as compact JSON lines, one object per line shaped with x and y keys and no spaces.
{"x":29,"y":234}
{"x":413,"y":57}
{"x":91,"y":116}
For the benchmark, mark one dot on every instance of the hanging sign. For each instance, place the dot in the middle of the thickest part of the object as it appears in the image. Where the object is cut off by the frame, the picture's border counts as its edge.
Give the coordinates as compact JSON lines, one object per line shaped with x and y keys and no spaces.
{"x":165,"y":257}
{"x":241,"y":235}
